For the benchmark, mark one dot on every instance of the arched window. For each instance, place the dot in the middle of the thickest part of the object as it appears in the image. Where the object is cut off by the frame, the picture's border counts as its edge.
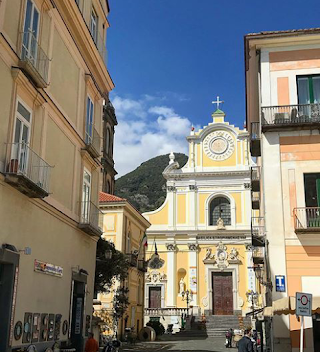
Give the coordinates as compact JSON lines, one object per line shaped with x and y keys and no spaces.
{"x":108,"y":138}
{"x":108,"y":187}
{"x":220,"y":208}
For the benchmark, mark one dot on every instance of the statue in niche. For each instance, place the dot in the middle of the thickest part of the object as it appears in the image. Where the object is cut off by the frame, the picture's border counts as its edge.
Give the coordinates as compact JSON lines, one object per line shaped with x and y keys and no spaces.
{"x":209,"y":255}
{"x":233,"y":255}
{"x":181,"y":286}
{"x":220,"y":224}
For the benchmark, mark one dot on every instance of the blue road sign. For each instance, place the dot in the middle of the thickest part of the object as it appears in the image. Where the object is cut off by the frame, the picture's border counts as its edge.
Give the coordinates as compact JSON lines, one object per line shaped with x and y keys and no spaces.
{"x":280,"y":283}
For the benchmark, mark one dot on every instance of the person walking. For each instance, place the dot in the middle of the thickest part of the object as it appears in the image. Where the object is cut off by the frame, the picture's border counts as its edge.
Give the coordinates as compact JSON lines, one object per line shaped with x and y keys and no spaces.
{"x":246,"y":344}
{"x":91,"y":344}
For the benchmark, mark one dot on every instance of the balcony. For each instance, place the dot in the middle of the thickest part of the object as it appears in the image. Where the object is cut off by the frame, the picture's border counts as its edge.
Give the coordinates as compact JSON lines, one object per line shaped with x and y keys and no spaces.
{"x":255,"y":200}
{"x":255,"y":178}
{"x":93,"y":142}
{"x":90,"y":219}
{"x":132,"y":259}
{"x":258,"y":255}
{"x":307,"y":220}
{"x":143,"y":265}
{"x":96,"y":37}
{"x":303,"y":116}
{"x":255,"y":139}
{"x":33,"y":60}
{"x":27,"y":171}
{"x":257,"y":231}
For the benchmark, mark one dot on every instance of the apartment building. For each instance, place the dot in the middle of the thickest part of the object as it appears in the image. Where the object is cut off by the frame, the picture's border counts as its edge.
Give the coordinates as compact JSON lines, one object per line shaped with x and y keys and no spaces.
{"x":125,"y":227}
{"x":283,"y":117}
{"x":54,"y":80}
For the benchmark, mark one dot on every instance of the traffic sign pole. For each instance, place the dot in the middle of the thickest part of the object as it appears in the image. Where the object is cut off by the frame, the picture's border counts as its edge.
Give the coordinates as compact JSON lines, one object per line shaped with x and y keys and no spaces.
{"x":301,"y":333}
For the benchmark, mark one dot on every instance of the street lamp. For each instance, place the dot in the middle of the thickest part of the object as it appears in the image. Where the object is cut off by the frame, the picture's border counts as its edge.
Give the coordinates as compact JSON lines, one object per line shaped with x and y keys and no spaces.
{"x":252,"y":297}
{"x":185,"y":296}
{"x":108,"y":254}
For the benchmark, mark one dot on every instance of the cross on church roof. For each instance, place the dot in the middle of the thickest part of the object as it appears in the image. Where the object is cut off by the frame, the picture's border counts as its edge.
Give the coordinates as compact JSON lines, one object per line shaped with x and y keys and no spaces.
{"x":218,"y":102}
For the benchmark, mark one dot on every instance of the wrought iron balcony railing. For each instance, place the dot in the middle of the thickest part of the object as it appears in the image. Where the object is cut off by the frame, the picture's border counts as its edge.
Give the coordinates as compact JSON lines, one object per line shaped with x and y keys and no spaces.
{"x":257,"y":226}
{"x":258,"y":255}
{"x":255,"y":200}
{"x":142,"y":265}
{"x":132,"y":259}
{"x":90,"y":218}
{"x":255,"y":178}
{"x":290,"y":115}
{"x":93,"y":141}
{"x":307,"y":219}
{"x":33,"y":59}
{"x":255,"y":137}
{"x":27,"y":171}
{"x":98,"y":40}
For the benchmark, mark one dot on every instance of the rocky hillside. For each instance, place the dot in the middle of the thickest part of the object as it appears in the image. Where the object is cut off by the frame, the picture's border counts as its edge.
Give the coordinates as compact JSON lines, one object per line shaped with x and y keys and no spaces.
{"x":145,"y":186}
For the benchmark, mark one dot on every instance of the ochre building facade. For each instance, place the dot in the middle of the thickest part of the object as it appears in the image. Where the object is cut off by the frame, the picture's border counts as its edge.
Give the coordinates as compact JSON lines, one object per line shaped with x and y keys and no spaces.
{"x":202,"y":231}
{"x":283,"y":117}
{"x":53,"y":83}
{"x":125,"y":227}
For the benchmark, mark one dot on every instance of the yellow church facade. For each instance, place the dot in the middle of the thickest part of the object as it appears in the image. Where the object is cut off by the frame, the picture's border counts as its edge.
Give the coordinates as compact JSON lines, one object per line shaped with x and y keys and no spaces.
{"x":202,"y":231}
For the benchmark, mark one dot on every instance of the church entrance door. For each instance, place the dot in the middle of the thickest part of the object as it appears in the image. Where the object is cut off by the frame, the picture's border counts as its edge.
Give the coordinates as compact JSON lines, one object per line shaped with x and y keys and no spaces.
{"x":155,"y":297}
{"x":222,"y":297}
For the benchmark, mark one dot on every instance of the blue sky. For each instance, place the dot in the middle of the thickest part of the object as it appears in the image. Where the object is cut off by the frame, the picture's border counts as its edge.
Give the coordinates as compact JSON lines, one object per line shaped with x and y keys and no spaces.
{"x":170,"y":58}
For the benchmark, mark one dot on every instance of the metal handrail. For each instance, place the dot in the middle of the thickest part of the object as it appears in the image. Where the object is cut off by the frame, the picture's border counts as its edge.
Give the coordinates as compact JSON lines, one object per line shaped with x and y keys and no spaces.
{"x":99,"y":42}
{"x":90,"y":215}
{"x":94,"y":139}
{"x":257,"y":226}
{"x":290,"y":114}
{"x":255,"y":173}
{"x":23,"y":161}
{"x":306,"y":218}
{"x":32,"y":52}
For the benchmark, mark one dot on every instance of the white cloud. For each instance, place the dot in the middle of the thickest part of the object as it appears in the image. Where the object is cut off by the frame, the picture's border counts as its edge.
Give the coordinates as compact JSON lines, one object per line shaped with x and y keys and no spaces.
{"x":146,"y":130}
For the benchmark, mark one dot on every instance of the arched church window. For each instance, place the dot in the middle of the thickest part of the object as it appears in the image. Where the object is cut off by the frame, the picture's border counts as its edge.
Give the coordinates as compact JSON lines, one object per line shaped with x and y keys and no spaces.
{"x":108,"y":187}
{"x":220,"y":208}
{"x":108,"y":138}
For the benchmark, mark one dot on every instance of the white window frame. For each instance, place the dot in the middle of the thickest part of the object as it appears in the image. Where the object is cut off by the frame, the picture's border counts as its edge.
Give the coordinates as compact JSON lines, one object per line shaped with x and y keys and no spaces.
{"x":20,"y":151}
{"x":88,"y":135}
{"x":28,"y":48}
{"x":85,"y":208}
{"x":94,"y":20}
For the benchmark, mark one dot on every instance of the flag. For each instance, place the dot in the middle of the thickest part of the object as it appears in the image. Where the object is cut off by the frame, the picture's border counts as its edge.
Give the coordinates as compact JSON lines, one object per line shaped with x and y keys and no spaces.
{"x":144,"y":241}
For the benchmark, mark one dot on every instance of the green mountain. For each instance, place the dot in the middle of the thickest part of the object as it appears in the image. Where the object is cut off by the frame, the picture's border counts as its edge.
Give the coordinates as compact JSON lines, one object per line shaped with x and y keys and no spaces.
{"x":145,"y":187}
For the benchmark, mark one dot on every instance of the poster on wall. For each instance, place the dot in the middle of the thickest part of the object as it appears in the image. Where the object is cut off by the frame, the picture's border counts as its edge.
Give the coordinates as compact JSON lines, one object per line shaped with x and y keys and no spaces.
{"x":193,"y":279}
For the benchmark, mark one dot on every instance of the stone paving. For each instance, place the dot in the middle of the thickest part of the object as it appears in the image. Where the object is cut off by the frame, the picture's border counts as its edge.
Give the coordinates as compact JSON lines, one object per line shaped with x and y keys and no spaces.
{"x":176,"y":345}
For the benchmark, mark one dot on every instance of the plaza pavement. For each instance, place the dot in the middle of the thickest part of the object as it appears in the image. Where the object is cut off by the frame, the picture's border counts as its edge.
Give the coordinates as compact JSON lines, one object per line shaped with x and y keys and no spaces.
{"x":174,"y":344}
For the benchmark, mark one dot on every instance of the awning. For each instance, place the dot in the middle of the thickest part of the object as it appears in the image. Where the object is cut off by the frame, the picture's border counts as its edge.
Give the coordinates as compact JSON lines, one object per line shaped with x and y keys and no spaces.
{"x":287,"y":305}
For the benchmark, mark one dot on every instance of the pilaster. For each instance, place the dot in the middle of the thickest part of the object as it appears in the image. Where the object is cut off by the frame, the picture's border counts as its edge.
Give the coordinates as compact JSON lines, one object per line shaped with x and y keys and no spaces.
{"x":171,"y":275}
{"x":193,"y":272}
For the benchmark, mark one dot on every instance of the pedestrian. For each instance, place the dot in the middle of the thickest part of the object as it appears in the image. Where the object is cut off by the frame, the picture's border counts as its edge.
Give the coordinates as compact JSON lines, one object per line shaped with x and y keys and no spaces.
{"x":229,"y":335}
{"x":91,"y":344}
{"x":246,"y":344}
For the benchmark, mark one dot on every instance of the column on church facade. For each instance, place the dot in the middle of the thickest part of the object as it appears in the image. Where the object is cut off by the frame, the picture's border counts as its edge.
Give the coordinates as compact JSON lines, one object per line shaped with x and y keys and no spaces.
{"x":171,"y":275}
{"x":193,"y":272}
{"x":192,"y":205}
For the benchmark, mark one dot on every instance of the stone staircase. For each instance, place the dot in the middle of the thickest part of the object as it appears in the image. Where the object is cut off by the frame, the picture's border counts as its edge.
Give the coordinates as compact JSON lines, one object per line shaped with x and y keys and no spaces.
{"x":217,"y":325}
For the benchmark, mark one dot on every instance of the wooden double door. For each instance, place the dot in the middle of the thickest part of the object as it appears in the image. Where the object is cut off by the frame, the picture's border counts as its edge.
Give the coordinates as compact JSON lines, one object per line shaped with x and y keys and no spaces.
{"x":222,"y":296}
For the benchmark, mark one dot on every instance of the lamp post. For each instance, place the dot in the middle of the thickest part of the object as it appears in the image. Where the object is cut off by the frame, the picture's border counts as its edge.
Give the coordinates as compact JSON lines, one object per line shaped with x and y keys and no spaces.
{"x":185,"y":297}
{"x":252,"y":297}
